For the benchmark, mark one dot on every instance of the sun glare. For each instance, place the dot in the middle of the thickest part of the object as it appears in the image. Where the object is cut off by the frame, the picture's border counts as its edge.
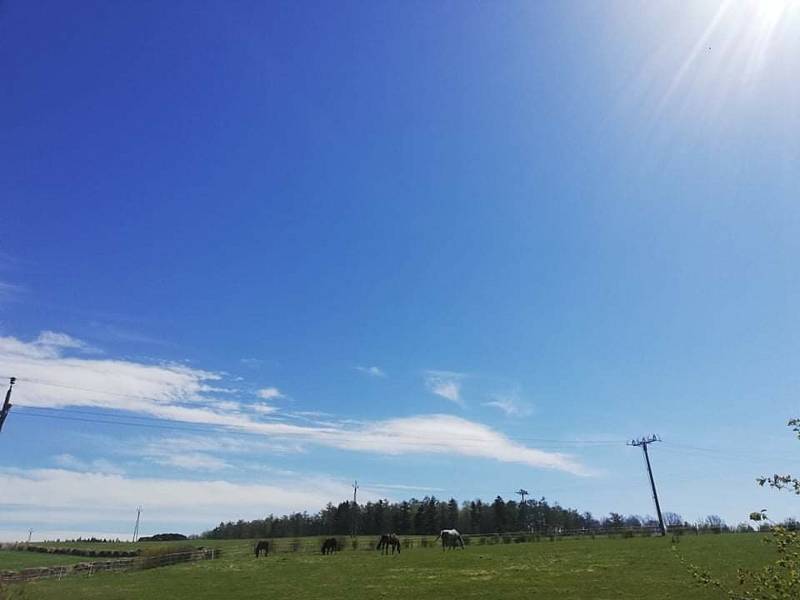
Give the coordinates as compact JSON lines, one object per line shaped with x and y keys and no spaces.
{"x":737,"y":47}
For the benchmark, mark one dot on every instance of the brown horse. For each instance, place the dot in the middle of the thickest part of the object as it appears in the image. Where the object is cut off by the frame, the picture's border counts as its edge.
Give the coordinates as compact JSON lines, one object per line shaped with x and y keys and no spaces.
{"x":389,"y":540}
{"x":330,"y":546}
{"x":262,"y":547}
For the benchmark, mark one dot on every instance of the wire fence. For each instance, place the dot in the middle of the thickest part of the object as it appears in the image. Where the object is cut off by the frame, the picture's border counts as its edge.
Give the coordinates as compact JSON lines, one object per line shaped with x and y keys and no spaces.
{"x":240,"y":549}
{"x":369,"y":543}
{"x":109,"y":566}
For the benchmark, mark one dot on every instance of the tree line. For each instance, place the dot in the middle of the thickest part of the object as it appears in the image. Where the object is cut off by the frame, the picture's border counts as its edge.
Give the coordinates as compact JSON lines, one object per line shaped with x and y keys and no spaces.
{"x":429,"y":515}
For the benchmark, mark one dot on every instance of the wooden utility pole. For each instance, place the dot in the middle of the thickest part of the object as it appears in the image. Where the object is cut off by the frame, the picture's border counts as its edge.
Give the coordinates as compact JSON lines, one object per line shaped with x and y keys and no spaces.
{"x":643,"y":443}
{"x":7,"y":403}
{"x":354,"y":510}
{"x":522,"y":493}
{"x":136,"y":527}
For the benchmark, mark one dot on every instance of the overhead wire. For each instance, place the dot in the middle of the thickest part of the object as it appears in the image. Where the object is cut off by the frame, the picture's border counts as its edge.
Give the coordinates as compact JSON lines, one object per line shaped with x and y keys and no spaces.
{"x":394,"y":440}
{"x":193,"y":426}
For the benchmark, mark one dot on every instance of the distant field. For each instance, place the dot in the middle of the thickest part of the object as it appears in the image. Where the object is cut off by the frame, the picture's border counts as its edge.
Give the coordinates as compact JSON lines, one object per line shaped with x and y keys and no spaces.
{"x":581,"y":569}
{"x":13,"y":560}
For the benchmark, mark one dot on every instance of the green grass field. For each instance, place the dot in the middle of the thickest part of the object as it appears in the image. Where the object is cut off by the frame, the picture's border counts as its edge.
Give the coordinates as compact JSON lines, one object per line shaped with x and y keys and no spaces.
{"x":15,"y":560}
{"x":569,"y":569}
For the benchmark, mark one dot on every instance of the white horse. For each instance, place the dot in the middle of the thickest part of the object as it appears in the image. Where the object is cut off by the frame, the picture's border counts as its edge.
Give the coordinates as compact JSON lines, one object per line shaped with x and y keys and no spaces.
{"x":450,"y":538}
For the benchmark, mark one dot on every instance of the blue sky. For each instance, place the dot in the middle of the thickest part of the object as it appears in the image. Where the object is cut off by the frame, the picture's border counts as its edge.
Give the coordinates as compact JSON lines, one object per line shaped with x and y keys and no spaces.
{"x":452,"y":248}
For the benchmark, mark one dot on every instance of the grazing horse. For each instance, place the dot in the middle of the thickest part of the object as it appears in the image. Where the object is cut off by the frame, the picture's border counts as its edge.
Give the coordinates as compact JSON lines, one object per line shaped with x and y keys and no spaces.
{"x":450,"y":539}
{"x":389,"y":540}
{"x":262,"y":547}
{"x":330,"y":546}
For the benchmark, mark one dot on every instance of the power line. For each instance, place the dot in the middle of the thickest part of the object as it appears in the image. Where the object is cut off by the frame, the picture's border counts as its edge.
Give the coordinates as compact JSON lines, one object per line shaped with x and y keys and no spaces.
{"x":156,"y":423}
{"x":155,"y":399}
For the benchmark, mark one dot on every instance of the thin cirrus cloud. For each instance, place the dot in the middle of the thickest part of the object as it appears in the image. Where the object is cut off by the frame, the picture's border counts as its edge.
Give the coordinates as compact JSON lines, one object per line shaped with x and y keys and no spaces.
{"x":10,"y":292}
{"x":66,"y":499}
{"x":372,"y":371}
{"x":50,"y":377}
{"x":510,"y":405}
{"x":270,"y":393}
{"x":445,"y":384}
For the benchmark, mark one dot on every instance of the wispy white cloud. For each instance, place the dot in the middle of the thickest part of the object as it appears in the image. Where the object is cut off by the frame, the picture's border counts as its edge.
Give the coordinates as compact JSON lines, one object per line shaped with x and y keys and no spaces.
{"x":195,"y":461}
{"x":208,"y":453}
{"x":64,"y":499}
{"x":371,"y":371}
{"x":400,"y":487}
{"x":446,"y":384}
{"x":53,"y":343}
{"x":510,"y":404}
{"x":251,"y":362}
{"x":10,"y":291}
{"x":110,"y":332}
{"x":98,"y":465}
{"x":270,"y":393}
{"x":50,"y":378}
{"x":448,"y":434}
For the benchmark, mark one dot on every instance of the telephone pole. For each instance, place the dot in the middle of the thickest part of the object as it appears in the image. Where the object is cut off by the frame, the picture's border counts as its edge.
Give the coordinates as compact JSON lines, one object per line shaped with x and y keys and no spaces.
{"x":7,"y":403}
{"x":522,"y":516}
{"x":643,"y":443}
{"x":136,"y":527}
{"x":354,"y":512}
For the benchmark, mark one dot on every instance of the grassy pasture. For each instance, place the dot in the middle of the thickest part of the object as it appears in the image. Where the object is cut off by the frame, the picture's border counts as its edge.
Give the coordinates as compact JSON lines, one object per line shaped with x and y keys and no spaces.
{"x":14,"y":560}
{"x":571,"y":569}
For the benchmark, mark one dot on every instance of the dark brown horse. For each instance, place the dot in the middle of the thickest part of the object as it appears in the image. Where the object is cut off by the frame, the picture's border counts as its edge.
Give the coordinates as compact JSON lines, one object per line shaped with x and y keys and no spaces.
{"x":262,"y":547}
{"x":330,"y":546}
{"x":389,"y":540}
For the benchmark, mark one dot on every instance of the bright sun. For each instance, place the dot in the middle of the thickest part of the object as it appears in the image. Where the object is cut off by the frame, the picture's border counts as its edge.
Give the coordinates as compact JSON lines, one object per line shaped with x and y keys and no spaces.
{"x":737,"y":46}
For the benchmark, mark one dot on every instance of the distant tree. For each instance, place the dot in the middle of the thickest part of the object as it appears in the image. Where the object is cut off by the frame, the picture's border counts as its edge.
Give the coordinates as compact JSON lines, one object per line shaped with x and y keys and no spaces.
{"x":499,"y":512}
{"x":714,"y":523}
{"x":431,"y":522}
{"x":452,"y":513}
{"x":633,"y":521}
{"x":476,"y":515}
{"x":404,"y":525}
{"x":615,"y":521}
{"x":419,"y":519}
{"x":589,"y":522}
{"x":672,"y":519}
